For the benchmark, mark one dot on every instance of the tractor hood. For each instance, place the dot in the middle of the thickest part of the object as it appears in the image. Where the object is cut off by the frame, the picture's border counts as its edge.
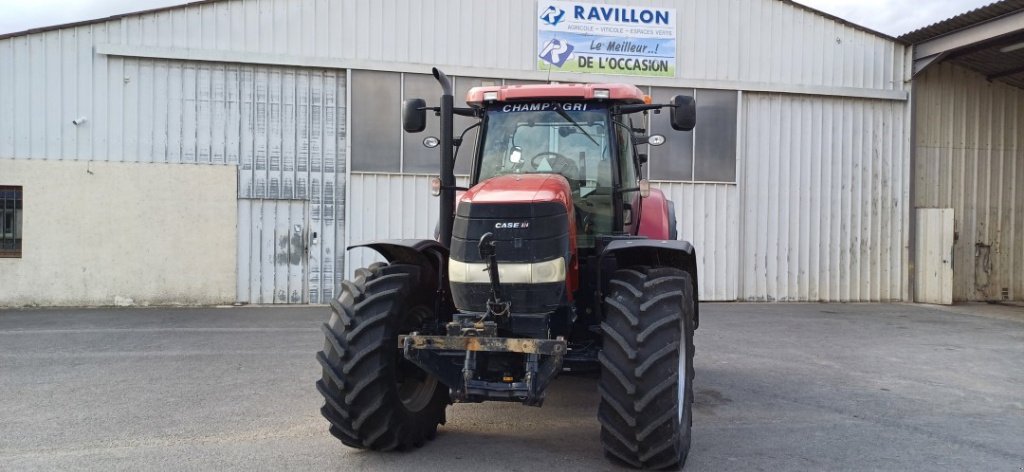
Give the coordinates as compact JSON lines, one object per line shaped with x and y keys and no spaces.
{"x":521,"y":188}
{"x":531,"y":218}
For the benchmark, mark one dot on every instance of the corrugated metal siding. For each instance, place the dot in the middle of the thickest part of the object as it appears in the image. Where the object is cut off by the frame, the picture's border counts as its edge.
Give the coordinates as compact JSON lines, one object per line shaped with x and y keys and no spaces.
{"x":389,"y":206}
{"x":773,"y":42}
{"x":289,"y":127}
{"x":964,"y":20}
{"x":735,"y":41}
{"x":825,"y":192}
{"x":283,"y":127}
{"x":970,"y":157}
{"x":272,"y":249}
{"x":708,"y":216}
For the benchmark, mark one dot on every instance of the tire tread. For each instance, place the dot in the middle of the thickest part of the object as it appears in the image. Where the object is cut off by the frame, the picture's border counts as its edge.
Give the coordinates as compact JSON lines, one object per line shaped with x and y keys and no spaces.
{"x":360,"y":402}
{"x":638,"y":412}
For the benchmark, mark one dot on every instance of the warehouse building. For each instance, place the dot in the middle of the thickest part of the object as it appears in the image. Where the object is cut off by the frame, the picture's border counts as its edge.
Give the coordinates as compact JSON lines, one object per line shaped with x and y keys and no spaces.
{"x":230,"y":150}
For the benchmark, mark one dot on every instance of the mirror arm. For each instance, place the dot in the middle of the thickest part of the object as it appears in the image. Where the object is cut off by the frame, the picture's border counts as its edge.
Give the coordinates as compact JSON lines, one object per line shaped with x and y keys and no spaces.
{"x":470,"y":112}
{"x":629,"y":109}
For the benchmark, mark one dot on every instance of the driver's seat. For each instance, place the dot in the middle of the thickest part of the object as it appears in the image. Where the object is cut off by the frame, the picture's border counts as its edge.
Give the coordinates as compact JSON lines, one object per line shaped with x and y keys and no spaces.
{"x":570,"y":172}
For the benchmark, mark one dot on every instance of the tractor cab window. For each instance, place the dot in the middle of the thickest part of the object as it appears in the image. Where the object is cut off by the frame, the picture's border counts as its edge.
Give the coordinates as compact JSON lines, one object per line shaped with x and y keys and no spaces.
{"x":566,"y":138}
{"x":570,"y":139}
{"x":628,"y":173}
{"x":628,"y":164}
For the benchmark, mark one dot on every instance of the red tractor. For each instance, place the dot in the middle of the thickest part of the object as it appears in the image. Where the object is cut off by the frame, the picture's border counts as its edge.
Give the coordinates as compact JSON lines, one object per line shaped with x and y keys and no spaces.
{"x":558,"y":258}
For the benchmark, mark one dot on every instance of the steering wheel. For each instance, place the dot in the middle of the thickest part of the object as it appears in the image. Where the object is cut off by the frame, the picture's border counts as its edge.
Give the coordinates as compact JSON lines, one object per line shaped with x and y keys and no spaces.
{"x":560,"y":165}
{"x":556,"y":161}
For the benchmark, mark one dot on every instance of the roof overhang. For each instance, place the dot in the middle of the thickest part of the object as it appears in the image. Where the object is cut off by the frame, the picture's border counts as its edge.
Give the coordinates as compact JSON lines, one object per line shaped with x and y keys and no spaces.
{"x":993,"y":48}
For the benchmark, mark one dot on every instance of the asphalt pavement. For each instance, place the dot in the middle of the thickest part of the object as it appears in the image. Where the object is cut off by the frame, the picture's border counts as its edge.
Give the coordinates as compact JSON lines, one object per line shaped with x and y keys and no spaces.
{"x":778,"y":387}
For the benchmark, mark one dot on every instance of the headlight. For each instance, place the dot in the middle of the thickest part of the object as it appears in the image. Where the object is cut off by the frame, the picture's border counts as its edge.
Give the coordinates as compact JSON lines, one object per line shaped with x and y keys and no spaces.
{"x":510,"y":273}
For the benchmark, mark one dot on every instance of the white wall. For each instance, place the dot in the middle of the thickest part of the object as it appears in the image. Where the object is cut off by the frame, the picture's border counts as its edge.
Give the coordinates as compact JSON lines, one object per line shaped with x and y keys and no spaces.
{"x":825,"y":184}
{"x":103,"y":233}
{"x":753,"y":45}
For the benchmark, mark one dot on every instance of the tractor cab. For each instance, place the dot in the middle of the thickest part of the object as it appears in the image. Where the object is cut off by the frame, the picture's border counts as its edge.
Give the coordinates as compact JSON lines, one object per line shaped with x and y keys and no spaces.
{"x":577,"y":140}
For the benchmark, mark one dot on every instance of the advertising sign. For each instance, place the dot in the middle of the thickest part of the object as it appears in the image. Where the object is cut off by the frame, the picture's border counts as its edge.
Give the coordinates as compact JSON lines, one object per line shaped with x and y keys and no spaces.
{"x":606,"y":39}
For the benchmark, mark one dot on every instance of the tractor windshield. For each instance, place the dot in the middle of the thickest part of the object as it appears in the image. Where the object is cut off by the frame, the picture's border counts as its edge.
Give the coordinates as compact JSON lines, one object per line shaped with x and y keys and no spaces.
{"x":566,"y":138}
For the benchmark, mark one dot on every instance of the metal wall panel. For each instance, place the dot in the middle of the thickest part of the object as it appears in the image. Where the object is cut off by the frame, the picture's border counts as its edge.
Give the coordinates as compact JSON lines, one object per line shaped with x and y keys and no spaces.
{"x":774,"y":42}
{"x":708,"y":216}
{"x":825,"y":199}
{"x":287,"y":126}
{"x":52,"y":77}
{"x":284,"y":128}
{"x":389,"y":206}
{"x":970,"y":157}
{"x":272,"y":262}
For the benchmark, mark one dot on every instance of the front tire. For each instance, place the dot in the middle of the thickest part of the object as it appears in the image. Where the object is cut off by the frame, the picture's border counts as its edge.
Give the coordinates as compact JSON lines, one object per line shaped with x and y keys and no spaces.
{"x":647,"y":372}
{"x":374,"y":398}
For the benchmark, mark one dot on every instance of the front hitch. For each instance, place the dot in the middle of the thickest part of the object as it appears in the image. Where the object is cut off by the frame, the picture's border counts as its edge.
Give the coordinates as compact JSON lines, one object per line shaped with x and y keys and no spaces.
{"x":441,"y":356}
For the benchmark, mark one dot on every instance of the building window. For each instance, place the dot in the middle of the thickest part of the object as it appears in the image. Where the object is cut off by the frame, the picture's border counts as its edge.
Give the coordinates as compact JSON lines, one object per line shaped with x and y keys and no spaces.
{"x":378,"y":142}
{"x":376,"y":121}
{"x":10,"y":221}
{"x":418,"y":158}
{"x":708,"y":153}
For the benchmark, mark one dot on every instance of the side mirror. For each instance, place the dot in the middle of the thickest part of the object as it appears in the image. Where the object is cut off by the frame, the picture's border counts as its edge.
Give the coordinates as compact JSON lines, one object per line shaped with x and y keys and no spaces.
{"x":414,"y":115}
{"x":653,"y":140}
{"x":515,"y":156}
{"x":684,"y":113}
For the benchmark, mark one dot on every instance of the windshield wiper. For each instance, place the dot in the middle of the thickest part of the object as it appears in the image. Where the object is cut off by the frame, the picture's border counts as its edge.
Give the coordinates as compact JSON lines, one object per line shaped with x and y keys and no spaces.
{"x":568,"y":118}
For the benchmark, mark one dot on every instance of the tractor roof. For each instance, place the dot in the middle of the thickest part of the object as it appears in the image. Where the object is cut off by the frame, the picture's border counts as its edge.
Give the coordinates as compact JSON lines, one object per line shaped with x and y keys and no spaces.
{"x":623,"y":93}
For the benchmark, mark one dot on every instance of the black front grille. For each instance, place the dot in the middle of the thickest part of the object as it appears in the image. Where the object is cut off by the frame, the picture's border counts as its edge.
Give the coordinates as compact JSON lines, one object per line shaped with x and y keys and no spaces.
{"x":545,"y":236}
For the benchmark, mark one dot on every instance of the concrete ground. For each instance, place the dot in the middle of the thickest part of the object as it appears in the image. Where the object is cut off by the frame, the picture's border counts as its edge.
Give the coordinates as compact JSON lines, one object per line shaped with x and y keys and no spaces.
{"x":778,"y":387}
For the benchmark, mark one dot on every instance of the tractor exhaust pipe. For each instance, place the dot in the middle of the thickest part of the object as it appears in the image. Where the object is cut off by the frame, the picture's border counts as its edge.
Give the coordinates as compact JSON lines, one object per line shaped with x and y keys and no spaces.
{"x":447,"y":197}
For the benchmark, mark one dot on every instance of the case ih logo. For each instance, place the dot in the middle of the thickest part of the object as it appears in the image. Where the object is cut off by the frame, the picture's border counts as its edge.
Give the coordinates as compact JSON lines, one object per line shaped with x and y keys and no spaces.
{"x":553,"y":16}
{"x":512,"y":225}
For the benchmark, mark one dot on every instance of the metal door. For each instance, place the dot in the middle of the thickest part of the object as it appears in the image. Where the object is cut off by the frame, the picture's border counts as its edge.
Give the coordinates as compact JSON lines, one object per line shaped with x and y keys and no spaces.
{"x":273,"y":251}
{"x":934,"y":256}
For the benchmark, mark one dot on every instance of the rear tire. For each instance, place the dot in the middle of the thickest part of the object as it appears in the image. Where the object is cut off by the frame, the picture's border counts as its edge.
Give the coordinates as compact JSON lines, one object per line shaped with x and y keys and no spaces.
{"x":647,"y":372}
{"x":374,"y":398}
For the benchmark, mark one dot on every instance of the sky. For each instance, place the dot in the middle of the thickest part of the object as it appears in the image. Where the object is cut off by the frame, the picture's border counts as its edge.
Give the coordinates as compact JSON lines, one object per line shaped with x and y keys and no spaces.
{"x":893,"y":17}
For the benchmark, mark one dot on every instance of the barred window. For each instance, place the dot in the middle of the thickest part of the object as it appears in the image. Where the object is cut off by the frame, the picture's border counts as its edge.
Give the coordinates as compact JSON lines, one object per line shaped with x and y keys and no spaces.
{"x":10,"y":221}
